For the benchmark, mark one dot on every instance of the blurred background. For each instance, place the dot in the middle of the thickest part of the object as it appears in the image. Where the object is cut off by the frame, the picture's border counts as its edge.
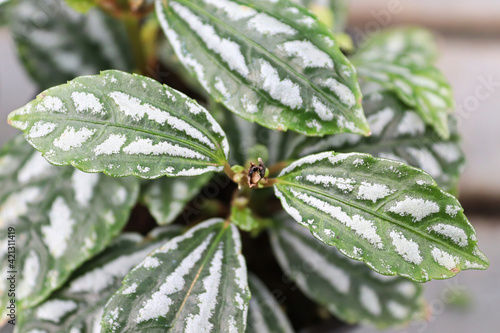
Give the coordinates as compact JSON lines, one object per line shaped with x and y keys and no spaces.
{"x":468,"y":34}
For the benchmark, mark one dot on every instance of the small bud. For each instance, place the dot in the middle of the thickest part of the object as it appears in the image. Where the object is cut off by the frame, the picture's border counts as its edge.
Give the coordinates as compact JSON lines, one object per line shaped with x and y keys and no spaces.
{"x":256,"y":173}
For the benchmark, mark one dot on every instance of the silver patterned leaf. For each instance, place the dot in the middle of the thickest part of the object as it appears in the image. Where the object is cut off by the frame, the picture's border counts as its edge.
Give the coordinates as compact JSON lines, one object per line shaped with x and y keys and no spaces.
{"x":333,"y":13}
{"x":195,"y":282}
{"x":351,"y":291}
{"x":61,"y":217}
{"x":123,"y":124}
{"x":392,"y":216}
{"x":272,"y":63}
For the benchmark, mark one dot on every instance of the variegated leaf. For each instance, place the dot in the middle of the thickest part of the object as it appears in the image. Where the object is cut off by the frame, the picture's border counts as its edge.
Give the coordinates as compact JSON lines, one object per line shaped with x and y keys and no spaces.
{"x":392,"y":216}
{"x":123,"y":124}
{"x":196,"y":282}
{"x":265,"y":314}
{"x":350,"y":291}
{"x":333,"y":13}
{"x":401,"y":60}
{"x":57,"y":44}
{"x":166,"y":197}
{"x":398,"y":133}
{"x":270,"y":62}
{"x":61,"y":217}
{"x":77,"y":307}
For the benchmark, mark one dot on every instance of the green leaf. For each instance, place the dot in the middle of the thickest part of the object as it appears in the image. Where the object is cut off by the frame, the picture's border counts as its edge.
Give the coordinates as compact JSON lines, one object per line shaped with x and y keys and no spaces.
{"x":243,"y":218}
{"x":57,"y":44}
{"x":77,"y":307}
{"x":401,"y":60}
{"x":392,"y":216}
{"x":61,"y":217}
{"x":123,"y":124}
{"x":166,"y":197}
{"x":82,"y":6}
{"x":398,"y":133}
{"x":271,"y":63}
{"x":195,"y":282}
{"x":350,"y":291}
{"x":265,"y":314}
{"x":333,"y":13}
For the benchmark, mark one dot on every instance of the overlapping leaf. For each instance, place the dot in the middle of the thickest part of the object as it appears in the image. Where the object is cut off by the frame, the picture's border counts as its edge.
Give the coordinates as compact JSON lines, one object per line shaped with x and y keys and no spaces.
{"x":61,"y":217}
{"x":390,"y":215}
{"x":166,"y":197}
{"x":56,"y":44}
{"x":77,"y":307}
{"x":398,"y":133}
{"x":331,"y":12}
{"x":123,"y":124}
{"x":196,"y":282}
{"x":401,"y":60}
{"x":270,"y":62}
{"x":265,"y":314}
{"x":350,"y":291}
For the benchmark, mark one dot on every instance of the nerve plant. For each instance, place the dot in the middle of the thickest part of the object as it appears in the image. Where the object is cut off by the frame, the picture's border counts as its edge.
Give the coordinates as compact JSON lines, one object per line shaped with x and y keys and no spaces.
{"x":271,"y":102}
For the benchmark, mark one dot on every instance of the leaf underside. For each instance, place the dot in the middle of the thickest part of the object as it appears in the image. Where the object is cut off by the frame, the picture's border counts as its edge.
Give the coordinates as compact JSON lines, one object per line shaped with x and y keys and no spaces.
{"x":350,"y":290}
{"x":271,"y":63}
{"x":123,"y":124}
{"x":392,"y":216}
{"x":264,"y":312}
{"x":56,"y":44}
{"x":402,"y":60}
{"x":77,"y":307}
{"x":398,"y":133}
{"x":195,"y":282}
{"x":55,"y":229}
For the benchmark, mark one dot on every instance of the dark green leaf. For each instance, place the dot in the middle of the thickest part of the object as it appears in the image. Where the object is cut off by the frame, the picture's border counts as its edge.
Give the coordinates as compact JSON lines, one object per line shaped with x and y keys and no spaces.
{"x":61,"y":217}
{"x":390,"y":215}
{"x":197,"y":282}
{"x":77,"y":307}
{"x":272,"y":63}
{"x":350,"y":291}
{"x":123,"y":124}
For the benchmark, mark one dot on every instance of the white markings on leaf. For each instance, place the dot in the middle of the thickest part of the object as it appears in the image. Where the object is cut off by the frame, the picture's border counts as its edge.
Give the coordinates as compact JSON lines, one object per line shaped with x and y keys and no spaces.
{"x":397,"y":310}
{"x":345,"y":94}
{"x":323,"y":111}
{"x":426,"y":161}
{"x":373,"y":192}
{"x":87,"y":102}
{"x":457,"y":235}
{"x":452,"y":210}
{"x":447,"y":151}
{"x":58,"y":233}
{"x":130,"y":290}
{"x":379,"y":121}
{"x":284,"y":91}
{"x":31,"y":270}
{"x":344,"y":184}
{"x":83,"y":185}
{"x":310,"y":54}
{"x":407,"y":248}
{"x":233,"y":10}
{"x":51,"y":103}
{"x":268,"y":25}
{"x":41,"y":129}
{"x":445,"y":259}
{"x":35,"y":168}
{"x":72,"y":138}
{"x":111,"y":145}
{"x":55,"y":310}
{"x":370,"y":301}
{"x":416,"y":207}
{"x":146,"y":147}
{"x":17,"y":204}
{"x":411,"y":124}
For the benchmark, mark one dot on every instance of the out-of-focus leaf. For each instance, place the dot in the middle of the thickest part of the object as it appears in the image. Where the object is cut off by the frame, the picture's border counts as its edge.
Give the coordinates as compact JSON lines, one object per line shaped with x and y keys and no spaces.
{"x":333,"y":13}
{"x":123,"y":124}
{"x":401,"y":60}
{"x":398,"y":133}
{"x":270,"y":62}
{"x":82,"y":6}
{"x":243,"y":218}
{"x":392,"y":216}
{"x":166,"y":197}
{"x":350,"y":291}
{"x":61,"y":217}
{"x":196,"y":282}
{"x":57,"y":44}
{"x":265,"y":314}
{"x":77,"y":307}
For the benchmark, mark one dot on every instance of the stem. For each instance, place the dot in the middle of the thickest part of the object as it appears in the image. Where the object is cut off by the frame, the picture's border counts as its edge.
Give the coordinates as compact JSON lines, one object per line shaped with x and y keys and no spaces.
{"x":134,"y":35}
{"x":277,"y":167}
{"x":229,"y":172}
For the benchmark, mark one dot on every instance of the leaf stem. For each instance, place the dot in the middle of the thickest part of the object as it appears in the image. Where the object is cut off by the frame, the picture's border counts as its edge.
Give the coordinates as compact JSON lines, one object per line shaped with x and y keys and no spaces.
{"x":273,"y":169}
{"x":133,"y":31}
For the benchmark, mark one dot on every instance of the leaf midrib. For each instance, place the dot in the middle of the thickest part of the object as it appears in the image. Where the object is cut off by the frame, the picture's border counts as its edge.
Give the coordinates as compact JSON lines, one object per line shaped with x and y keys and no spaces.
{"x":339,"y":105}
{"x":380,"y":216}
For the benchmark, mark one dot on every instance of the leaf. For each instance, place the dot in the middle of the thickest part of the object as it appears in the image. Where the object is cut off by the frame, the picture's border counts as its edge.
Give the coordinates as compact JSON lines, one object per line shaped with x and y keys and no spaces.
{"x":350,"y":291}
{"x":333,"y":13}
{"x":265,"y":314}
{"x":57,"y":44}
{"x":195,"y":282}
{"x":243,"y":218}
{"x":55,"y":231}
{"x":123,"y":124}
{"x":392,"y":216}
{"x":167,"y":197}
{"x":401,"y":60}
{"x":270,"y":63}
{"x":398,"y":133}
{"x":82,"y":6}
{"x":77,"y":307}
